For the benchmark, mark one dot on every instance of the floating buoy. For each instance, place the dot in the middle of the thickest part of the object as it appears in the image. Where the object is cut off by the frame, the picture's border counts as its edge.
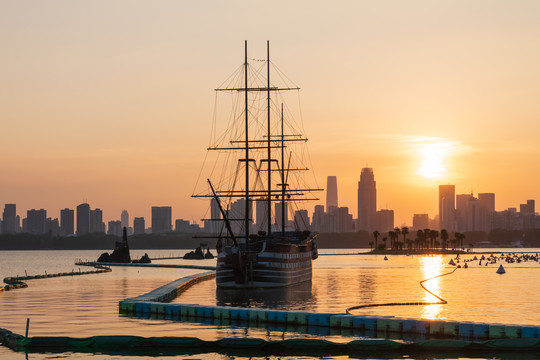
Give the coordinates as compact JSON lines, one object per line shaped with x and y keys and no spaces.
{"x":491,"y":255}
{"x":385,"y":258}
{"x":475,"y":258}
{"x":465,"y":266}
{"x":452,"y":262}
{"x":407,"y":254}
{"x":483,"y":257}
{"x":502,"y":254}
{"x":500,"y":270}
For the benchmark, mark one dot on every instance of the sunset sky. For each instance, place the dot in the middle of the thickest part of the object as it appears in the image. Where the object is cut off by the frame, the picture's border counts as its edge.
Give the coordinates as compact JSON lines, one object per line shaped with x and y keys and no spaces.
{"x":112,"y":101}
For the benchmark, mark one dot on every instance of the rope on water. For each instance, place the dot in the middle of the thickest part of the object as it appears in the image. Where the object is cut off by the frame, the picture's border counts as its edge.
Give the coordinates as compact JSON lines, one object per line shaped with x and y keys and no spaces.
{"x":440,"y":302}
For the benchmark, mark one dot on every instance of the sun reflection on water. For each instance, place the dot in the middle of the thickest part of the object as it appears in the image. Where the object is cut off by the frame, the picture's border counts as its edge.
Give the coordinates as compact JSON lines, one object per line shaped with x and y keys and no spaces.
{"x":432,"y":266}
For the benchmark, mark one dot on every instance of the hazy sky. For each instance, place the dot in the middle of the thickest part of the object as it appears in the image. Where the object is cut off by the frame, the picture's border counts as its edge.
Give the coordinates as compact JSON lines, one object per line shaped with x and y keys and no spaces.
{"x":111,"y":101}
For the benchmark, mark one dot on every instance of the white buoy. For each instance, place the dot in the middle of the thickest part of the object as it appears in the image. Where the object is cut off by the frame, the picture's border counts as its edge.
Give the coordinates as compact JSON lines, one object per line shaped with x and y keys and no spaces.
{"x":385,"y":258}
{"x":501,"y":270}
{"x":452,"y":262}
{"x":475,"y":258}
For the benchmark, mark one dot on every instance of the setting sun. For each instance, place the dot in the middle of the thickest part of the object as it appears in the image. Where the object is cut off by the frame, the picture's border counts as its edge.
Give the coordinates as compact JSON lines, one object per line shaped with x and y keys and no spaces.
{"x":432,"y":162}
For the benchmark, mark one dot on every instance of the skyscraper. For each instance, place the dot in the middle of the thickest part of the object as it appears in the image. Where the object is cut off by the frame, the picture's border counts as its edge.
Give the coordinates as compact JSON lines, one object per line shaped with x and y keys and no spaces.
{"x":161,"y":219}
{"x":261,"y":213}
{"x":282,"y":215}
{"x":96,"y":221}
{"x":447,"y":207}
{"x":67,"y":222}
{"x":124,"y":218}
{"x":301,"y":220}
{"x":83,"y":219}
{"x":9,"y":219}
{"x":138,"y":225}
{"x":487,"y":210}
{"x":331,"y":193}
{"x":367,"y":200}
{"x":385,"y":220}
{"x":215,"y":216}
{"x":36,"y":221}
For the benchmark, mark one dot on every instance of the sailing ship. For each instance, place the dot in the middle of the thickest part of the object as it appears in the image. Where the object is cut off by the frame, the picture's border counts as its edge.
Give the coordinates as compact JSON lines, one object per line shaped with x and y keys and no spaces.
{"x":264,"y":168}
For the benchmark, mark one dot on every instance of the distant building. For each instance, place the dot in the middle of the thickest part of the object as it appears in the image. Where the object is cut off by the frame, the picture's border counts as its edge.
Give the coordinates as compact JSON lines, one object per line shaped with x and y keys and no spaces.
{"x":214,"y":225}
{"x":331,"y":193}
{"x":461,"y":212}
{"x":115,"y":228}
{"x":447,"y":207}
{"x":161,"y":219}
{"x":343,"y":220}
{"x":67,"y":222}
{"x":138,"y":225}
{"x":385,"y":220}
{"x":83,"y":219}
{"x":182,"y":226}
{"x":367,"y":200}
{"x":261,"y":213}
{"x":322,"y":221}
{"x":237,"y":216}
{"x":96,"y":221}
{"x":301,"y":220}
{"x":420,"y":221}
{"x":52,"y":227}
{"x":487,"y":208}
{"x":282,"y":215}
{"x":124,"y":218}
{"x":9,"y":219}
{"x":36,"y":221}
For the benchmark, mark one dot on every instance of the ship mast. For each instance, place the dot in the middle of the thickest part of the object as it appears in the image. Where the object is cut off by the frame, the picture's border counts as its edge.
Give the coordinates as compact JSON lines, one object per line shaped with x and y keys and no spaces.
{"x":246,"y":219}
{"x":282,"y":176}
{"x":269,"y":201}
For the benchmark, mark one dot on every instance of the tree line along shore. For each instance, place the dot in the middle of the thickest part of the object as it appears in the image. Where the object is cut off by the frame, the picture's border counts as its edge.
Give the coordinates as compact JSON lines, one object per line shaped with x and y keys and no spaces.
{"x":361,"y":239}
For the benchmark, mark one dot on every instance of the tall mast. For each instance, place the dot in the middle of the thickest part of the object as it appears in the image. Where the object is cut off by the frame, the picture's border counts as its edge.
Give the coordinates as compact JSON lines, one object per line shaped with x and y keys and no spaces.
{"x":269,"y":201}
{"x":247,"y":142}
{"x":282,"y":175}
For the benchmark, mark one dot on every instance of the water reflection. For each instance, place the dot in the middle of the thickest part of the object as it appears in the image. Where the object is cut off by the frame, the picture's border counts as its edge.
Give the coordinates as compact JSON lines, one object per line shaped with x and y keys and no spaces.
{"x":297,"y":296}
{"x":432,"y":266}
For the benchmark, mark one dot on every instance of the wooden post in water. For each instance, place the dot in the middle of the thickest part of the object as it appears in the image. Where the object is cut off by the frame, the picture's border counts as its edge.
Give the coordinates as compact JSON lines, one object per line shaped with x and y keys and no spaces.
{"x":27,"y":326}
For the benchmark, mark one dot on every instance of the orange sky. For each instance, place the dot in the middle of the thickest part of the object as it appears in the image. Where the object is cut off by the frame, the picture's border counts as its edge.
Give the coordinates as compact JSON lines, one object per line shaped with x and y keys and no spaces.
{"x":112,"y":101}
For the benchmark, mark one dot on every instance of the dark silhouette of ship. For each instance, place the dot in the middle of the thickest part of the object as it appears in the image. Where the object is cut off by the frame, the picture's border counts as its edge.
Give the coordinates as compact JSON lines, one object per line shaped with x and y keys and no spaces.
{"x":276,"y":256}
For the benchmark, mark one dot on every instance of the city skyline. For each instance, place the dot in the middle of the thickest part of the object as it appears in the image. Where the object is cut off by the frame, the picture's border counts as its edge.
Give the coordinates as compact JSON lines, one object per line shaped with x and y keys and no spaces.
{"x":426,"y":93}
{"x":460,"y":212}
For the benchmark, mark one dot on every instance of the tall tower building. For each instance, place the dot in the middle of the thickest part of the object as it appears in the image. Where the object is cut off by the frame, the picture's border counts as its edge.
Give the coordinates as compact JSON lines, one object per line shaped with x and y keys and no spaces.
{"x":447,"y":207}
{"x":83,"y":219}
{"x":367,"y":200}
{"x":124,"y":218}
{"x":282,"y":213}
{"x":331,"y":193}
{"x":9,"y":219}
{"x":96,"y":221}
{"x":67,"y":222}
{"x":261,"y":214}
{"x":161,"y":219}
{"x":215,"y":216}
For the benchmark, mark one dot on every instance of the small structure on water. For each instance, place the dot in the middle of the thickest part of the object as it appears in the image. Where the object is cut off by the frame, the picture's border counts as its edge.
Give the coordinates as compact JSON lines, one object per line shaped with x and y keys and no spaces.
{"x":198,"y":254}
{"x":121,"y":254}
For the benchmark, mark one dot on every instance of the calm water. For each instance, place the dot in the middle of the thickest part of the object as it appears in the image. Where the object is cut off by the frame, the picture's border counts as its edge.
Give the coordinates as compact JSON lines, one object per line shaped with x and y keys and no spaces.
{"x":88,"y":305}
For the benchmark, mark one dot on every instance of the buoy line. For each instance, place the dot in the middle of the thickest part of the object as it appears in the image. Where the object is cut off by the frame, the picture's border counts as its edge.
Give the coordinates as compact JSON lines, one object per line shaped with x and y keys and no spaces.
{"x":440,"y":302}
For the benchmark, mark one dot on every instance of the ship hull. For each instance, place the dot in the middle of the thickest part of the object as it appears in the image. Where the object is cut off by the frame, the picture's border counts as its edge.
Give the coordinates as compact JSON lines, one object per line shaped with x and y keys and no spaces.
{"x":276,"y":265}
